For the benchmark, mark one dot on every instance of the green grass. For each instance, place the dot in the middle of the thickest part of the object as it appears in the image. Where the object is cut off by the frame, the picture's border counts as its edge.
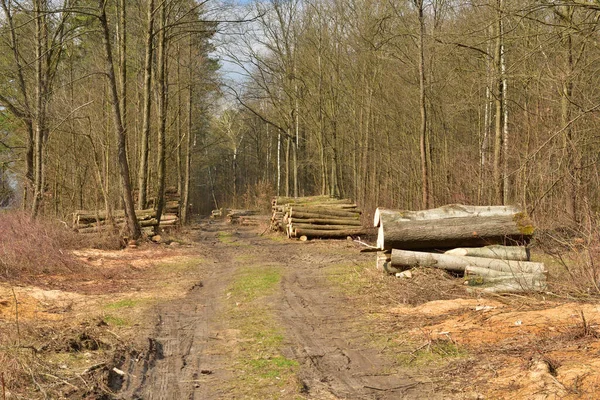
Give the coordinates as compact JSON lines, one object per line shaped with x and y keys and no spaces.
{"x":182,"y":264}
{"x":115,"y":321}
{"x":269,"y":368}
{"x":255,"y":282}
{"x":125,"y":303}
{"x":262,"y":371}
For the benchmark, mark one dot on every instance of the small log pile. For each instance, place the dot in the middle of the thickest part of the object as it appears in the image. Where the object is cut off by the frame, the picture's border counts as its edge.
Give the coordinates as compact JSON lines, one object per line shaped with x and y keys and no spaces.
{"x":244,"y":217}
{"x":502,"y":265}
{"x":85,"y":221}
{"x":316,"y":217}
{"x":172,"y":202}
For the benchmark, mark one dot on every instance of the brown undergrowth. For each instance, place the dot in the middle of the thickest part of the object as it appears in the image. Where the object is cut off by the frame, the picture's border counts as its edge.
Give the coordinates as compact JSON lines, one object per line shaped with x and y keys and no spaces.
{"x":32,"y":250}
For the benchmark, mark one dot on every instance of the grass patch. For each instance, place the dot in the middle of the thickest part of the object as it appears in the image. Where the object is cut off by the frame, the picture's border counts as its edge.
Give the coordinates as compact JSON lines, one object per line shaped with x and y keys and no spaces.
{"x":255,"y":282}
{"x":230,"y":239}
{"x":181,"y":264}
{"x":225,"y":237}
{"x":115,"y":321}
{"x":262,"y":371}
{"x":125,"y":303}
{"x":269,"y":368}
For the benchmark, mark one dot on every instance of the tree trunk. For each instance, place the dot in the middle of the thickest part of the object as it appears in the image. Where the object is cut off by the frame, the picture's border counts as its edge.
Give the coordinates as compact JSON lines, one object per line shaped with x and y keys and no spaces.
{"x":143,"y":167}
{"x":41,"y":44}
{"x":425,"y":178}
{"x":185,"y":196}
{"x":454,"y":232}
{"x":162,"y":111}
{"x":409,"y":259}
{"x":132,"y":223}
{"x":498,"y":153}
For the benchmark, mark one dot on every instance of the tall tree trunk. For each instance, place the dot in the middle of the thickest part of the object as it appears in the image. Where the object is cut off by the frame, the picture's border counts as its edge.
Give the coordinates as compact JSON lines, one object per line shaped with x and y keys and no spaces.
{"x":571,"y":180}
{"x":162,"y":110}
{"x":423,"y":142}
{"x":41,"y":44}
{"x":132,"y":223}
{"x":185,"y":195}
{"x":143,"y":167}
{"x":499,"y":101}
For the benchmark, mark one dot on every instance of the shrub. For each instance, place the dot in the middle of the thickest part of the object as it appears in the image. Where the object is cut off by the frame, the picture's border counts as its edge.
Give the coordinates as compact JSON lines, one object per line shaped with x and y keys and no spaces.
{"x":35,"y":247}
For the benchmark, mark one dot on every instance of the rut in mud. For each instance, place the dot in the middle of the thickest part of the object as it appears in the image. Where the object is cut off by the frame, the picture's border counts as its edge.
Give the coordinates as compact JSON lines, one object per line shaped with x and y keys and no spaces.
{"x":186,"y":356}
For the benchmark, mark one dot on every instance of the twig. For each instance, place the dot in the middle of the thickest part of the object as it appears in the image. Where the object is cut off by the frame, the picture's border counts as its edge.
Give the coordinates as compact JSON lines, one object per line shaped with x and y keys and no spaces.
{"x":3,"y":386}
{"x":61,"y":380}
{"x":365,"y":244}
{"x":17,"y":317}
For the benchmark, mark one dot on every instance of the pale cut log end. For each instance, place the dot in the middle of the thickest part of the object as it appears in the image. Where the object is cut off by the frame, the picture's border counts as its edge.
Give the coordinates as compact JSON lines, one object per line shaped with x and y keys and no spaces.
{"x":376,"y":218}
{"x":380,"y":237}
{"x":303,"y":238}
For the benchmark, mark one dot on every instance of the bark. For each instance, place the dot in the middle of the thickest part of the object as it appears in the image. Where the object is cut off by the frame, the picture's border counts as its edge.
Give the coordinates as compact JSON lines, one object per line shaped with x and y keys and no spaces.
{"x":455,"y":232}
{"x":324,"y":221}
{"x":188,"y":145}
{"x":386,"y":216}
{"x":517,"y":253}
{"x":319,"y":227}
{"x":403,"y":258}
{"x":512,"y":286}
{"x":132,"y":223}
{"x":331,"y":234}
{"x":41,"y":43}
{"x":143,"y":167}
{"x":499,"y":101}
{"x":162,"y":110}
{"x":425,"y":178}
{"x":322,"y":214}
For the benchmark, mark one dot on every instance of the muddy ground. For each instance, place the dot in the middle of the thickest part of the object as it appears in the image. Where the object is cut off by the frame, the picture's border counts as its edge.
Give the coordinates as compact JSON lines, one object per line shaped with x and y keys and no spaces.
{"x":230,"y":312}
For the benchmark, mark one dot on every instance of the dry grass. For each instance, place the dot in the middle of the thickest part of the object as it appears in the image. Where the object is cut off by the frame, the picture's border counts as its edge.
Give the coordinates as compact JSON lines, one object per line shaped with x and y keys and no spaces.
{"x":33,"y":247}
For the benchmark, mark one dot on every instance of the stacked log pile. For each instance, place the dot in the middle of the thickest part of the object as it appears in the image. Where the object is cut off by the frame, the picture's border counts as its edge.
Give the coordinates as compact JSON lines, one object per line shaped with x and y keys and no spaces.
{"x":97,"y":221}
{"x":502,"y":265}
{"x":245,"y":217}
{"x":316,"y":217}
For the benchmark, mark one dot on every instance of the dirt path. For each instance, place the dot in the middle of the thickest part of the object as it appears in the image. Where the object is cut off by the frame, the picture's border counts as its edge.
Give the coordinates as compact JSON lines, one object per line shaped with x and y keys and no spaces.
{"x":187,"y":357}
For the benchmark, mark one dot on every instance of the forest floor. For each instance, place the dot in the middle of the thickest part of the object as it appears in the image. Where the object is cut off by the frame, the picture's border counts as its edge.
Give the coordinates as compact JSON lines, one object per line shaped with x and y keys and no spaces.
{"x":226,"y":312}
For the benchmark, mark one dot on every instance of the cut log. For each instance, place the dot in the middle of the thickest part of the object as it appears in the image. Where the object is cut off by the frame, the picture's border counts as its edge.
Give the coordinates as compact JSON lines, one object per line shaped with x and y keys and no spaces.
{"x":447,"y":211}
{"x":454,"y":232}
{"x":512,"y":286}
{"x":323,"y":227}
{"x":296,"y":200}
{"x":331,"y":234}
{"x":324,"y":221}
{"x":327,"y":206}
{"x":404,"y":258}
{"x":81,"y":217}
{"x":525,"y":279}
{"x":321,"y":213}
{"x":517,"y":253}
{"x":384,"y":263}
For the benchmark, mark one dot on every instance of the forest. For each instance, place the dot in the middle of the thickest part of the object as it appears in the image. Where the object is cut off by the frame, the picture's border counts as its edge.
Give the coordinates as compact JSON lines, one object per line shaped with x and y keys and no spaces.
{"x":403,"y":104}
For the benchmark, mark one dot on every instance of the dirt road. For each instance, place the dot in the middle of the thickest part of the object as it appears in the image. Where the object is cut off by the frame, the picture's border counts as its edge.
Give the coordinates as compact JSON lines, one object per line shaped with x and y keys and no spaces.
{"x":189,"y":355}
